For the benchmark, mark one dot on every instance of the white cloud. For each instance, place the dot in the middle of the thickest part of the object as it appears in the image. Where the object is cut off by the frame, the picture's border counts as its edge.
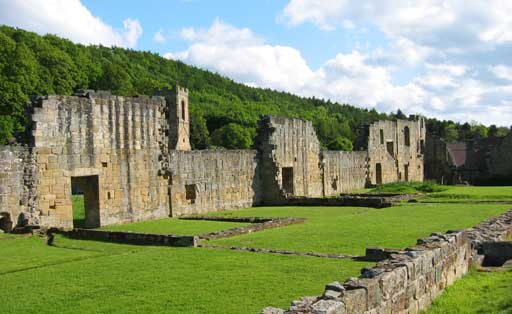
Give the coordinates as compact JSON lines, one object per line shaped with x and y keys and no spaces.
{"x":502,"y":71}
{"x":69,"y":19}
{"x":433,"y":23}
{"x":240,"y":54}
{"x":443,"y":89}
{"x":159,"y":37}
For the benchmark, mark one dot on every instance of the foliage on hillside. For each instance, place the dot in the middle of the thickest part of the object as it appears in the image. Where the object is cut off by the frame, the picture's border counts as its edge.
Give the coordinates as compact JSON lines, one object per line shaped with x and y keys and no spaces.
{"x":39,"y":65}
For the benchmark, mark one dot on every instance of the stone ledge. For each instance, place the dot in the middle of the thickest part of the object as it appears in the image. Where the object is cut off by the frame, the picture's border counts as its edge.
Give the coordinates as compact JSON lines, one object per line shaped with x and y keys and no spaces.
{"x":359,"y":200}
{"x":129,"y":237}
{"x":259,"y":224}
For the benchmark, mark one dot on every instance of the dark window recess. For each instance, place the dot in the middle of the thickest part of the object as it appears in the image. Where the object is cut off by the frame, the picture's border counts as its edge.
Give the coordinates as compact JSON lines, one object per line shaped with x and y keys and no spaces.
{"x":381,"y":136}
{"x":183,"y":109}
{"x":378,"y":173}
{"x":287,"y":173}
{"x":334,"y":184}
{"x":190,"y":193}
{"x":390,"y":148}
{"x":407,"y":136}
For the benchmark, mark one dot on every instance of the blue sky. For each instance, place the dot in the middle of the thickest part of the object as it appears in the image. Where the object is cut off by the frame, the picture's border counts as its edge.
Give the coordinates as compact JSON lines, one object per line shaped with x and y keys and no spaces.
{"x":444,"y":58}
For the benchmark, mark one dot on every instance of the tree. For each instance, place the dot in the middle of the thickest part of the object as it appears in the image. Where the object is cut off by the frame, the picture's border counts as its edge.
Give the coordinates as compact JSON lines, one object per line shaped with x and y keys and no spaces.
{"x":450,"y":133}
{"x":400,"y":115}
{"x":493,"y":130}
{"x":341,"y":143}
{"x":199,"y":135}
{"x":116,"y":79}
{"x":232,"y":136}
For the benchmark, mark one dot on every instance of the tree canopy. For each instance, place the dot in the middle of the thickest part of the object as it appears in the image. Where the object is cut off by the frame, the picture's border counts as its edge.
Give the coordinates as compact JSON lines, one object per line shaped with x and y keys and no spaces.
{"x":31,"y":64}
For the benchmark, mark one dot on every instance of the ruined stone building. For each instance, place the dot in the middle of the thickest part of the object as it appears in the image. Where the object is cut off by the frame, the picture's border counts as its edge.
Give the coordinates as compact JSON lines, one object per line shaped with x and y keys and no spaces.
{"x":132,"y":160}
{"x":395,"y":150}
{"x":480,"y":161}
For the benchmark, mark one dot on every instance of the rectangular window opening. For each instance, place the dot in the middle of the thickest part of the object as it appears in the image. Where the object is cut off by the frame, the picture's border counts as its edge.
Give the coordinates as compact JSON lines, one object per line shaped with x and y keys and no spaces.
{"x":190,"y":193}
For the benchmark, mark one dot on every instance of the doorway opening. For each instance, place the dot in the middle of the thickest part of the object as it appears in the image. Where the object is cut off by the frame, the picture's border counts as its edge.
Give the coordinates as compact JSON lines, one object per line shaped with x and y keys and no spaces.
{"x":406,"y":172}
{"x":287,"y":173}
{"x":86,"y":202}
{"x":5,"y":222}
{"x":378,"y":173}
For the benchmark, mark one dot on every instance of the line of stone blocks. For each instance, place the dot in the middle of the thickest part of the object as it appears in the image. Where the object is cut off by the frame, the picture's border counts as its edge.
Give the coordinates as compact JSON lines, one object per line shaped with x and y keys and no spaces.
{"x":409,"y":280}
{"x":132,"y":237}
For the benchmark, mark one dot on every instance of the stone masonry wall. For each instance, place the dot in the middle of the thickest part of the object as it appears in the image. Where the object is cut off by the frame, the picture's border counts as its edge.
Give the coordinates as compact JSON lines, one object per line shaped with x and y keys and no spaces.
{"x":400,"y":159}
{"x":212,"y":180}
{"x":409,"y":280}
{"x":16,"y":176}
{"x":343,"y":171}
{"x":112,"y":143}
{"x":290,"y":158}
{"x":500,"y":164}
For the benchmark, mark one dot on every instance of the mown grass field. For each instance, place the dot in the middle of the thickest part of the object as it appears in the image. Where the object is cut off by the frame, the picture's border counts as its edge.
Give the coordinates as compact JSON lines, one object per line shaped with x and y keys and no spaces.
{"x":350,"y":230}
{"x":94,"y":277}
{"x":477,"y":292}
{"x":175,"y":226}
{"x":84,"y":276}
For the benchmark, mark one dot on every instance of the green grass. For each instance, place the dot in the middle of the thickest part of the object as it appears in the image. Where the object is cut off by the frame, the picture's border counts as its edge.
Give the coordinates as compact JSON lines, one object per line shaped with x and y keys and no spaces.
{"x":175,"y":226}
{"x":475,"y":193}
{"x":477,"y":293}
{"x":96,"y":277}
{"x":408,"y":187}
{"x":349,"y":230}
{"x":78,"y":211}
{"x":86,"y":276}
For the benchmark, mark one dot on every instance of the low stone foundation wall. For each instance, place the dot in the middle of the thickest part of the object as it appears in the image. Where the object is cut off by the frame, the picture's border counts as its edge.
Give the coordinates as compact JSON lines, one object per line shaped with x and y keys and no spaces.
{"x":258,"y":224}
{"x":409,"y":280}
{"x":130,"y":237}
{"x":358,"y":200}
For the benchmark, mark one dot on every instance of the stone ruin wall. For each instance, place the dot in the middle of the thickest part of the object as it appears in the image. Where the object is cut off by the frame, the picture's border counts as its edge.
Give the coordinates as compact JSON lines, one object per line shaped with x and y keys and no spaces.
{"x":290,"y":158}
{"x":500,"y":164}
{"x":405,"y":163}
{"x":484,"y":161}
{"x":120,"y":152}
{"x":212,"y":180}
{"x":17,"y":173}
{"x":344,"y":171}
{"x":112,"y":144}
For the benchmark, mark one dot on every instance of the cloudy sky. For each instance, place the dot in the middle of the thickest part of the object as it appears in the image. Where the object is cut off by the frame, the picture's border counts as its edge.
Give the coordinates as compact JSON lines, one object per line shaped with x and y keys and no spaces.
{"x":449,"y":59}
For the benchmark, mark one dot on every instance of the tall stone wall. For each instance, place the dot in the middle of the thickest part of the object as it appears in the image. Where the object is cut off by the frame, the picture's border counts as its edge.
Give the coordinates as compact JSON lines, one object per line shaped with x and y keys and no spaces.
{"x":112,"y":144}
{"x":212,"y":180}
{"x":395,"y":150}
{"x":500,"y":164}
{"x":290,"y":158}
{"x":16,"y":186}
{"x":343,"y":171}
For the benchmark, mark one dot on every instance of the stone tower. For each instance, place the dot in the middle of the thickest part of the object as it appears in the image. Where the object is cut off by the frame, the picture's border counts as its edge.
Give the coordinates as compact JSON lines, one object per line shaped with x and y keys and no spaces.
{"x":177,"y":117}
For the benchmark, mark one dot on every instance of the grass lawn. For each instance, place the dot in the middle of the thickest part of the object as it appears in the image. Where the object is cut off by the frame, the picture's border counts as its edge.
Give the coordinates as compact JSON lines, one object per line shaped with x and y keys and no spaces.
{"x":85,"y":276}
{"x":481,"y":193}
{"x":349,"y":230}
{"x":477,"y":293}
{"x":175,"y":226}
{"x":78,"y":210}
{"x":95,"y":277}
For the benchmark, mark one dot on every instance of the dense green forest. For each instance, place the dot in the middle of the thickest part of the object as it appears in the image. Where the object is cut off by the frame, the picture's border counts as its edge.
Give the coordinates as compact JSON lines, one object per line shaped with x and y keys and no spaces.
{"x":223,"y":113}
